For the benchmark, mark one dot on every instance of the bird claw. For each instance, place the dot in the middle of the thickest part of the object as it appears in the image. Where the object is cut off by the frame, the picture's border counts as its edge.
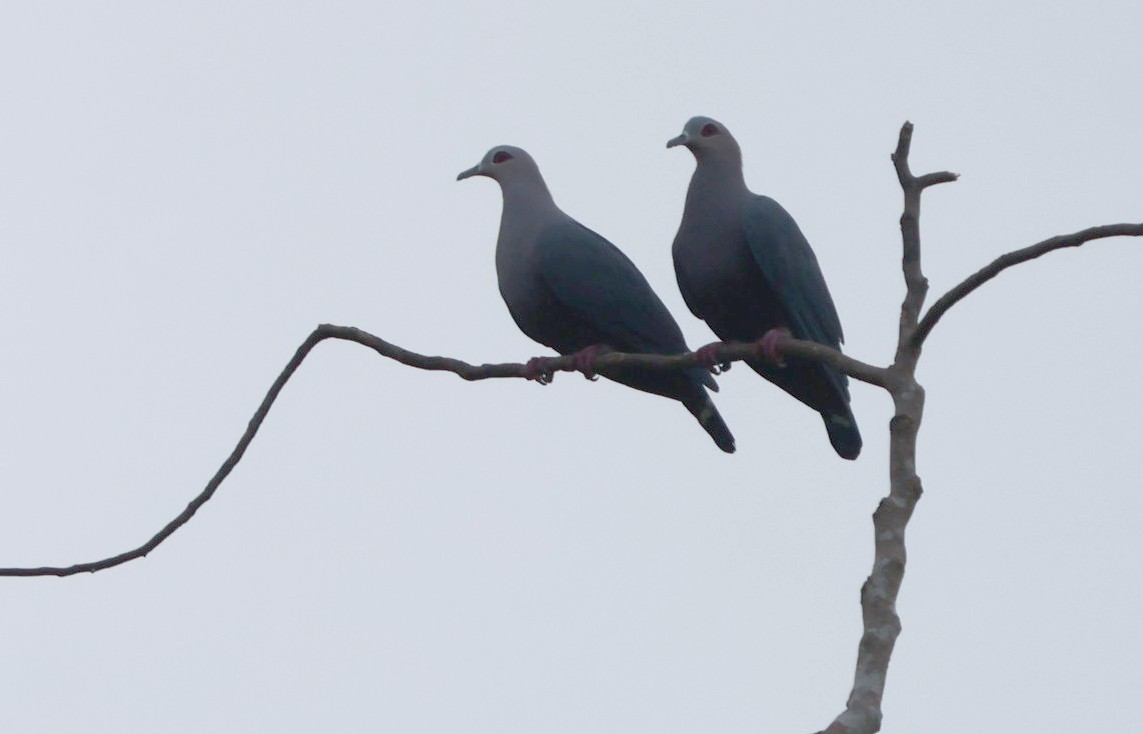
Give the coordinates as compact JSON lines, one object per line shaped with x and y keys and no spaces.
{"x":769,"y":344}
{"x":542,"y":370}
{"x":584,"y":360}
{"x":538,"y":369}
{"x":707,"y":356}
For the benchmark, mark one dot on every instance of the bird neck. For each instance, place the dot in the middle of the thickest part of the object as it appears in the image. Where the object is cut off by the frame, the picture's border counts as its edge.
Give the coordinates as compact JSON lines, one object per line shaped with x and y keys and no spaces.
{"x":527,"y":196}
{"x":717,"y":178}
{"x":528,"y":209}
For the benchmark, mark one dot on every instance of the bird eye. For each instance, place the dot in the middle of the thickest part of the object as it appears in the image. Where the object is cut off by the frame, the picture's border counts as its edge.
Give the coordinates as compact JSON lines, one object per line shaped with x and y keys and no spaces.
{"x":500,"y":156}
{"x":709,"y":129}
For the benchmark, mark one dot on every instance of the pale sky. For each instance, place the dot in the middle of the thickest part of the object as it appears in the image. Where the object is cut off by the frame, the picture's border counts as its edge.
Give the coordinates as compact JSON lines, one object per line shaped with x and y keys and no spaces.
{"x":187,"y":189}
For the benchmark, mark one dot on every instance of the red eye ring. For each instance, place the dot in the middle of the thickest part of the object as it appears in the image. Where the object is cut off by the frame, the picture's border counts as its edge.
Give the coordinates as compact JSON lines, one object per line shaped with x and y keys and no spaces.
{"x":500,"y":156}
{"x":709,"y":129}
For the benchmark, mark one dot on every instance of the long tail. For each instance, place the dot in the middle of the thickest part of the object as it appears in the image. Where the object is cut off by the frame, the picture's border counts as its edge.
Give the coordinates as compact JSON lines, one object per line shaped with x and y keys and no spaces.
{"x":843,"y":433}
{"x":702,"y":408}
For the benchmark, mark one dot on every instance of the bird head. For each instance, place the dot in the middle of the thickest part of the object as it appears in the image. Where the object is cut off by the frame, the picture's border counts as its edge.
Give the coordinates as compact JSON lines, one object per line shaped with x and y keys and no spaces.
{"x":707,"y":138}
{"x":502,"y":163}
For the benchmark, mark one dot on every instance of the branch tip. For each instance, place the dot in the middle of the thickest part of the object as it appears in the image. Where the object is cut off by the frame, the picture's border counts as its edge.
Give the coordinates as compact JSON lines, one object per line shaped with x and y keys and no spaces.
{"x":1007,"y":260}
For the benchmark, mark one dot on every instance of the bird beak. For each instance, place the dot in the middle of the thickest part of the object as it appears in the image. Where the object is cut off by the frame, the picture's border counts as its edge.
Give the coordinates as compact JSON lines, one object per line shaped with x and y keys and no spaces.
{"x":474,"y":171}
{"x":680,"y":140}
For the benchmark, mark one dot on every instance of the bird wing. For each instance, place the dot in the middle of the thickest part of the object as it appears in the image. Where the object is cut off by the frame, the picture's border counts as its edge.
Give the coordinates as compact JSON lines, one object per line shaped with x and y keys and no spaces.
{"x":791,"y":269}
{"x":685,"y":289}
{"x":596,"y":281}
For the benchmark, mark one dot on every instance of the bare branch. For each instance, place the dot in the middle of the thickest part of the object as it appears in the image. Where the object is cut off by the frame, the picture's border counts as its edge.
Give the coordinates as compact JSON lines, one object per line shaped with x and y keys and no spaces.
{"x":610,"y":360}
{"x":916,"y":286}
{"x":736,"y":351}
{"x":881,"y":625}
{"x":727,"y":352}
{"x":201,"y":499}
{"x":1002,"y":263}
{"x":880,"y":621}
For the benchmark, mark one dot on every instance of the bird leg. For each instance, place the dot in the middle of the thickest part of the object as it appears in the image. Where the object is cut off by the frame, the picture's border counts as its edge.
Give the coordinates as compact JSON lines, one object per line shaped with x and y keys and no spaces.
{"x":708,"y":357}
{"x":584,"y":359}
{"x":540,"y":370}
{"x":769,"y":344}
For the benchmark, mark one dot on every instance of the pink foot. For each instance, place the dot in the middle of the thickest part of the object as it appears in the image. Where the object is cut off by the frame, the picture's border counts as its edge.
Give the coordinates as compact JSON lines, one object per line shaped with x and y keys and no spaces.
{"x":584,"y":359}
{"x":540,"y":369}
{"x":708,"y":357}
{"x":769,"y":343}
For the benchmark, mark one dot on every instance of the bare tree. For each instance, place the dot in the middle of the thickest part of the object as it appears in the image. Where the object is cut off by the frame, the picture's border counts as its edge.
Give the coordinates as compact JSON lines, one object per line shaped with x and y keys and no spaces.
{"x":881,"y":625}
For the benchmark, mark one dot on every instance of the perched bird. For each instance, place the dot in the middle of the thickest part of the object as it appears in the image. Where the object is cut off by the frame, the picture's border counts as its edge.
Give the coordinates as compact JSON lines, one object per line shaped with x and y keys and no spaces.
{"x":572,"y":290}
{"x":746,"y":269}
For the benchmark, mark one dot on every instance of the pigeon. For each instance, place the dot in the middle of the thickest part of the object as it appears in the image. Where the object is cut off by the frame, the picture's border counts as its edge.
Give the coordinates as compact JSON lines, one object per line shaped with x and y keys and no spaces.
{"x":745,"y":268}
{"x":570,"y":289}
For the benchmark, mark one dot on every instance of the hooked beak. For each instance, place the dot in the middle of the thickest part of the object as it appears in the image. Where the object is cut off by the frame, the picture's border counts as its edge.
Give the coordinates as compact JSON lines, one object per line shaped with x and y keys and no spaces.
{"x":469,"y":173}
{"x":680,"y":140}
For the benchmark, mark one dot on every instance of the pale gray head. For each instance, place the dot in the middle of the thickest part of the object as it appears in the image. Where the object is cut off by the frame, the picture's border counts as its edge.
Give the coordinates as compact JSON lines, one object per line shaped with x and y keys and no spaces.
{"x":709,"y":140}
{"x":504,"y":163}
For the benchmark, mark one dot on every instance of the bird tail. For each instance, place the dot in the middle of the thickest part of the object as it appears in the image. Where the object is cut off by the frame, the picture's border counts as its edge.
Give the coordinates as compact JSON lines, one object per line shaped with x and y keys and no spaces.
{"x":843,"y":433}
{"x":702,"y":408}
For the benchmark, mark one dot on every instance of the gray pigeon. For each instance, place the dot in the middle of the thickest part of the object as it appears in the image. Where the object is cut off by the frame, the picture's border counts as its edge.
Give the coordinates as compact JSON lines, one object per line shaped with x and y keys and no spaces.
{"x":746,"y":269}
{"x":572,"y":290}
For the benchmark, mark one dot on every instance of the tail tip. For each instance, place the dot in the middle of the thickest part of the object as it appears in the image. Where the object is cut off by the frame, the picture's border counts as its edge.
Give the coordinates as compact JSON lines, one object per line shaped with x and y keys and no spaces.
{"x":713,"y":424}
{"x":718,"y":431}
{"x":843,"y":435}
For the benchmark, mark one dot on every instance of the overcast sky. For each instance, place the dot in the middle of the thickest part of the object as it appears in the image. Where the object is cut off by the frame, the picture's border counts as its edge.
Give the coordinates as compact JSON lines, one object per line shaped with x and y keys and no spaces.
{"x":187,"y":189}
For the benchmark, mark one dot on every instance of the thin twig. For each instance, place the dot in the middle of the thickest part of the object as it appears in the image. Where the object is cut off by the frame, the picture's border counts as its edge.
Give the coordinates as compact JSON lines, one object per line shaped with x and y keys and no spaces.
{"x":1002,"y":263}
{"x":610,"y":360}
{"x":916,"y":286}
{"x":201,"y":499}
